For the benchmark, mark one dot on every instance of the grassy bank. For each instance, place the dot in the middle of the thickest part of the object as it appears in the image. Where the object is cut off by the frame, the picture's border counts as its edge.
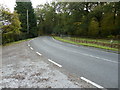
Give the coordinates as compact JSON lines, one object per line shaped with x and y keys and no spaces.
{"x":17,"y":42}
{"x":75,"y":41}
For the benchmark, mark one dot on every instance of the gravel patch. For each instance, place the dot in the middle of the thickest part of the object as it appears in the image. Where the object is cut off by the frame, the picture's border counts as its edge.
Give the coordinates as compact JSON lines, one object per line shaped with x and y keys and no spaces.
{"x":33,"y":75}
{"x":23,"y":68}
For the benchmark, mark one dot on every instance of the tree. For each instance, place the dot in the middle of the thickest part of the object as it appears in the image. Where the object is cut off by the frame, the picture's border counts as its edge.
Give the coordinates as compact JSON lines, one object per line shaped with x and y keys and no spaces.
{"x":46,"y":17}
{"x":93,"y":28}
{"x":98,"y":14}
{"x":82,"y":19}
{"x":21,"y":8}
{"x":11,"y":28}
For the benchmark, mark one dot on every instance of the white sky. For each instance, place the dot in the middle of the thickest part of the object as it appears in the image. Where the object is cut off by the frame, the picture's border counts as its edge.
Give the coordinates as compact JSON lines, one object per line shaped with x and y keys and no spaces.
{"x":11,"y":3}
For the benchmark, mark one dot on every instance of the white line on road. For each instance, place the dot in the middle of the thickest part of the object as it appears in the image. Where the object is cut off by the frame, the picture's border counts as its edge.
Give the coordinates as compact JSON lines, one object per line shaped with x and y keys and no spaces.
{"x":99,"y":58}
{"x":56,"y":40}
{"x":94,"y":84}
{"x":55,"y":63}
{"x":31,"y":48}
{"x":90,"y":55}
{"x":39,"y":53}
{"x":28,"y":44}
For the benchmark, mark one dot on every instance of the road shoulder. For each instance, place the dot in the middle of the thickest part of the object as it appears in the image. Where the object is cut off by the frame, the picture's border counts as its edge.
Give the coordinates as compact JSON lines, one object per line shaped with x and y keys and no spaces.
{"x":23,"y":68}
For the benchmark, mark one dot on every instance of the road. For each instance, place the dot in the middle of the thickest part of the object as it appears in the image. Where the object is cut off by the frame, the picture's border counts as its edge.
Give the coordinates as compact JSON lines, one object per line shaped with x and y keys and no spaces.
{"x":96,"y":65}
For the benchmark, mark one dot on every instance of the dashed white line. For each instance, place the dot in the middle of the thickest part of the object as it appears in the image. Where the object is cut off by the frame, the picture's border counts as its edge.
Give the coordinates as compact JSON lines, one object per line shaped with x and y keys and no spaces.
{"x":28,"y":45}
{"x":55,"y":63}
{"x":39,"y":53}
{"x":31,"y":48}
{"x":94,"y":84}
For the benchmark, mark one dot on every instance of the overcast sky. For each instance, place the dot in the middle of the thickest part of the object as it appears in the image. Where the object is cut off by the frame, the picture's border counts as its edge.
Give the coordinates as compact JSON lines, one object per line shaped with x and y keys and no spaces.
{"x":11,"y":3}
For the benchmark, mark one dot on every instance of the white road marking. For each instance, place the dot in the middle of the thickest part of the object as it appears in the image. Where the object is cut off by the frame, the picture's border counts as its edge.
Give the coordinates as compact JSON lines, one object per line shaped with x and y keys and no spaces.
{"x":99,"y":58}
{"x":94,"y":84}
{"x":55,"y":63}
{"x":56,"y":40}
{"x":90,"y":55}
{"x":28,"y":44}
{"x":39,"y":53}
{"x":31,"y":48}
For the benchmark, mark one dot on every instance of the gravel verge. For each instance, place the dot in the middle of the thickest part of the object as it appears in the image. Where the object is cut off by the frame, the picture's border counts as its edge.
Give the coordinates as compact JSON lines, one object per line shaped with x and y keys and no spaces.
{"x":23,"y":68}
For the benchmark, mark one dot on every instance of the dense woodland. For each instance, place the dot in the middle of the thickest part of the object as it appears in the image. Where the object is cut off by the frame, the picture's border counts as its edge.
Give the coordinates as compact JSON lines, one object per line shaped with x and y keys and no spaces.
{"x":82,"y":19}
{"x":79,"y":19}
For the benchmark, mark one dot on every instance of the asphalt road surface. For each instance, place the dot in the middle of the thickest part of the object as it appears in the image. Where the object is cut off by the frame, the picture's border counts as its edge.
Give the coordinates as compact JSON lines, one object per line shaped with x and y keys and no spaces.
{"x":94,"y":64}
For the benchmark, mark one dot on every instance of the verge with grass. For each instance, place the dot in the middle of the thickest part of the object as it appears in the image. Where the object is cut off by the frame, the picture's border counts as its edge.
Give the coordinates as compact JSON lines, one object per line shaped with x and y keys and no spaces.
{"x":16,"y":42}
{"x":85,"y":44}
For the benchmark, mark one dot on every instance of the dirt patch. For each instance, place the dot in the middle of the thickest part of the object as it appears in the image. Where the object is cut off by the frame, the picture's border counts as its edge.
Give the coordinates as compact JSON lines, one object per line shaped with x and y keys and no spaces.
{"x":23,"y":68}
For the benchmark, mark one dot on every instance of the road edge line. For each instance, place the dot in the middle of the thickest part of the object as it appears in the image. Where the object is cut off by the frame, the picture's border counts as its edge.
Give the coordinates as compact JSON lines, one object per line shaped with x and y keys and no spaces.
{"x":31,"y":48}
{"x":28,"y":45}
{"x":39,"y":53}
{"x":55,"y":63}
{"x":56,"y":40}
{"x":91,"y":82}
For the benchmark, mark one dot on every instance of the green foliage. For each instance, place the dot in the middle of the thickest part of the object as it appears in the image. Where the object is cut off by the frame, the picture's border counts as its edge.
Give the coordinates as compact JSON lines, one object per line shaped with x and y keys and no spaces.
{"x":21,"y":8}
{"x":117,"y":25}
{"x":111,"y":37}
{"x":79,"y":19}
{"x":107,"y":24}
{"x":11,"y":31}
{"x":93,"y":28}
{"x":87,"y":44}
{"x":85,"y":19}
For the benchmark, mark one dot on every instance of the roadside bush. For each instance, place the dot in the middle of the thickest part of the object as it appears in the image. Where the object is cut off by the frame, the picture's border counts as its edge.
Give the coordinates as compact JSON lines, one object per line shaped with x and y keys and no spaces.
{"x":10,"y":32}
{"x":111,"y":37}
{"x":93,"y":28}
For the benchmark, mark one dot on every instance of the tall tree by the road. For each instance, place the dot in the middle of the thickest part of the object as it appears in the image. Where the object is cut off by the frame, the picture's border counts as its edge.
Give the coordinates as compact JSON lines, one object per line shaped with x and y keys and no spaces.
{"x":46,"y":18}
{"x":21,"y":8}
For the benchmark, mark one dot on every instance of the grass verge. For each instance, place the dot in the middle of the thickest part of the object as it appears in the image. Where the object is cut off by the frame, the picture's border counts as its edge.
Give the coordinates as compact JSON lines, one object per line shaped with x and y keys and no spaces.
{"x":86,"y":44}
{"x":16,"y":42}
